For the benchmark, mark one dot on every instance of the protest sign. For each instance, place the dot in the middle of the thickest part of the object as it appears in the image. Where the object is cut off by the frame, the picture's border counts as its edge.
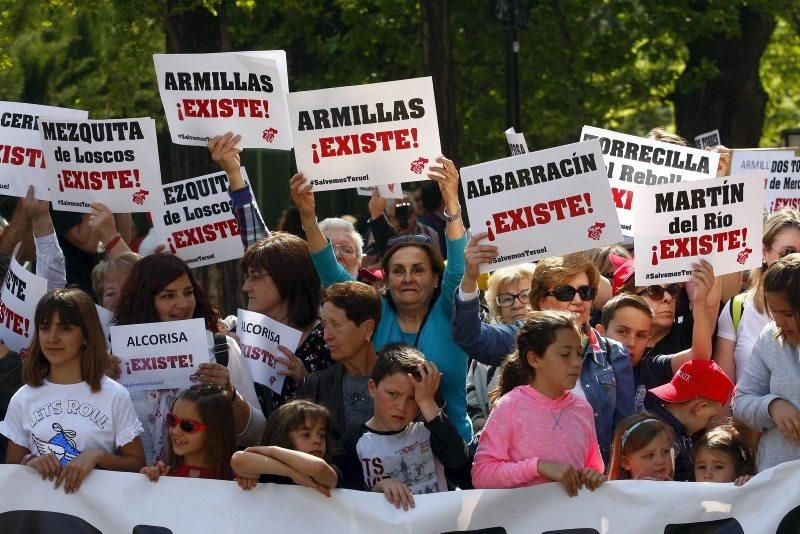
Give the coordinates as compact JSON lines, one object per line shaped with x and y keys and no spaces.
{"x":21,"y":155}
{"x":710,"y":139}
{"x":632,"y":161}
{"x":516,"y":142}
{"x":21,"y":292}
{"x":365,"y":135}
{"x":781,"y":170}
{"x":106,"y":318}
{"x":205,"y":95}
{"x":386,"y":191}
{"x":31,"y":505}
{"x":110,"y":161}
{"x":199,"y":224}
{"x":542,"y":204}
{"x":259,"y":337}
{"x":718,"y":220}
{"x":161,"y":355}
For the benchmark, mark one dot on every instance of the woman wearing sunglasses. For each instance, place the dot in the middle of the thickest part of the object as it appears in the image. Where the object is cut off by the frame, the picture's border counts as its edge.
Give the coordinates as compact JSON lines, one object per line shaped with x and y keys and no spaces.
{"x":418,"y":302}
{"x":745,"y":316}
{"x":508,"y":302}
{"x":560,"y":283}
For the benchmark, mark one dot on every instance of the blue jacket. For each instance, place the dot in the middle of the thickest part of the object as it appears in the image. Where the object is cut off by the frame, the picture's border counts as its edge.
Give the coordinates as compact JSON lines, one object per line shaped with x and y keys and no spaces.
{"x":606,"y":375}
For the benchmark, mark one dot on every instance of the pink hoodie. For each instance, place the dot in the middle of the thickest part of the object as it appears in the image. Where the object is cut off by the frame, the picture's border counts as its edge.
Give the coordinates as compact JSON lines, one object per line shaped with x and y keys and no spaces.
{"x":525,"y":426}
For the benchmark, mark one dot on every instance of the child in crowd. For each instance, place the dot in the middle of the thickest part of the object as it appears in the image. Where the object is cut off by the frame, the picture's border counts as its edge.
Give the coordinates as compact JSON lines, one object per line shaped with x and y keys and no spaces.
{"x":69,"y":417}
{"x":539,"y":431}
{"x":642,"y":450}
{"x":392,"y":453}
{"x":201,"y":435}
{"x":297,"y":449}
{"x":723,"y":455}
{"x":696,"y":393}
{"x":767,"y":396}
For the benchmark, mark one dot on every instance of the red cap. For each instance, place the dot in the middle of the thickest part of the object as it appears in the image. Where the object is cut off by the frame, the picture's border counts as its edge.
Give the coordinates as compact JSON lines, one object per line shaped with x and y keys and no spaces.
{"x":696,"y":378}
{"x":370,"y":274}
{"x":622,"y":274}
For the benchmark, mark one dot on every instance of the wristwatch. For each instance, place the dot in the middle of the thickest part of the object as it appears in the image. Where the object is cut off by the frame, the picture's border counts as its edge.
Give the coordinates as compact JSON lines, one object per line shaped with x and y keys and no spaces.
{"x":453,"y":217}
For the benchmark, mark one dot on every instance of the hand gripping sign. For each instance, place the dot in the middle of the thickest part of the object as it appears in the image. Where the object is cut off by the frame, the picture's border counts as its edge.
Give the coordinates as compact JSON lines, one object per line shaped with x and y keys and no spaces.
{"x":542,"y":204}
{"x":205,"y":95}
{"x":635,"y":161}
{"x":162,"y":355}
{"x":718,"y":220}
{"x":365,"y":135}
{"x":21,"y":155}
{"x":110,"y":161}
{"x":259,"y":337}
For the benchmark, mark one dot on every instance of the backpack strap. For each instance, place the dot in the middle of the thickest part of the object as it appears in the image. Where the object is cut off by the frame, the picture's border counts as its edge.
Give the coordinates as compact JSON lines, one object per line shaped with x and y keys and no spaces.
{"x":737,"y":309}
{"x":221,"y":348}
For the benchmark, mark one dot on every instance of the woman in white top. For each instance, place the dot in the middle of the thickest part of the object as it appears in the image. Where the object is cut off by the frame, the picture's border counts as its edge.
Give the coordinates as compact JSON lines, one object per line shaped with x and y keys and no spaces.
{"x":69,"y":418}
{"x":734,"y":344}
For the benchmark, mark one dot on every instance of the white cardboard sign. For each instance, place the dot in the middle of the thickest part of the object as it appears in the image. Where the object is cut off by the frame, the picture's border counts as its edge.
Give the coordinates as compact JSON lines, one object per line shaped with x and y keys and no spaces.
{"x":365,"y":135}
{"x":708,"y":139}
{"x":110,"y":161}
{"x":781,"y":173}
{"x":635,"y":161}
{"x":516,"y":142}
{"x":205,"y":95}
{"x":542,"y":204}
{"x":162,"y":355}
{"x":22,"y":161}
{"x":259,"y":337}
{"x":386,"y":191}
{"x":22,"y":290}
{"x":718,"y":220}
{"x":198,"y":223}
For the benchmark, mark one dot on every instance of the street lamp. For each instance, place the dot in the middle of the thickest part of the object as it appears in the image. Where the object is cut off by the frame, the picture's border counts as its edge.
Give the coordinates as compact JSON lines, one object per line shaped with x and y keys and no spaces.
{"x":512,"y":15}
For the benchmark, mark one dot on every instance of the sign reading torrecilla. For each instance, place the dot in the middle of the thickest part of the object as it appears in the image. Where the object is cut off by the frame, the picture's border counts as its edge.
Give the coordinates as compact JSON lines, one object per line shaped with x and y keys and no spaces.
{"x":365,"y":135}
{"x":542,"y":204}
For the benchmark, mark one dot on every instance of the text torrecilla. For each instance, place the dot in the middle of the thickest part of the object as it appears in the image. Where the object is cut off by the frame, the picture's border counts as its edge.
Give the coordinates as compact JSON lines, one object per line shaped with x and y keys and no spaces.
{"x":365,"y":135}
{"x":542,"y":204}
{"x":781,"y":173}
{"x":259,"y":337}
{"x":708,"y":139}
{"x":718,"y":220}
{"x":198,"y":223}
{"x":110,"y":161}
{"x":20,"y":294}
{"x":22,"y":161}
{"x":516,"y":142}
{"x":386,"y":191}
{"x":162,"y":355}
{"x":635,"y":161}
{"x":206,"y":95}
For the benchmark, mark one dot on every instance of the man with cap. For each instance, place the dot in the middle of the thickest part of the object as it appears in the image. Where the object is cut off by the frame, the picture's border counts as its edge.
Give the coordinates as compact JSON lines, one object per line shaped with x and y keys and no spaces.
{"x":696,"y":393}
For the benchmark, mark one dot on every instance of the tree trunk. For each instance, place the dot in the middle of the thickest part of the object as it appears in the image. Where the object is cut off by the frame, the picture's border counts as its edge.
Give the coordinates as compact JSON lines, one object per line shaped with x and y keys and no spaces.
{"x":196,"y":30}
{"x":437,"y":49}
{"x":731,"y":98}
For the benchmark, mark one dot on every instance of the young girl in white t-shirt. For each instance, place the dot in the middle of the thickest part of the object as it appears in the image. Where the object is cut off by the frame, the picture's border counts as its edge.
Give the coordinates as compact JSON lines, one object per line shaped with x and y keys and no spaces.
{"x":69,"y":417}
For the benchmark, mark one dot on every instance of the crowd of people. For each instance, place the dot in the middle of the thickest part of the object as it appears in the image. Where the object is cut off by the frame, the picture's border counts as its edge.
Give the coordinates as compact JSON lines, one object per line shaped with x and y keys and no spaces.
{"x":414,"y":373}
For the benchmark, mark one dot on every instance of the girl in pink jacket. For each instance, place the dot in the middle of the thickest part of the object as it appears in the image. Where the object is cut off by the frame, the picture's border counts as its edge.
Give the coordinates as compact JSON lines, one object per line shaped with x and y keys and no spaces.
{"x":541,"y":428}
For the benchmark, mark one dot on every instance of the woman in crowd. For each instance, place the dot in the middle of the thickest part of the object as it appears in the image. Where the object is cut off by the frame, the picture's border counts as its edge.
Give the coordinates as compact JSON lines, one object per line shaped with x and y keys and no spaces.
{"x":745,"y":316}
{"x":559,"y":283}
{"x":417,"y":305}
{"x":162,"y":288}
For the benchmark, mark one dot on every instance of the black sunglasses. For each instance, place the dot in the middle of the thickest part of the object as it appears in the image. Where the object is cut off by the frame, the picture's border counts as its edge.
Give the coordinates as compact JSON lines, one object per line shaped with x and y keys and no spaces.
{"x":567,"y":293}
{"x":416,"y":238}
{"x":657,"y":292}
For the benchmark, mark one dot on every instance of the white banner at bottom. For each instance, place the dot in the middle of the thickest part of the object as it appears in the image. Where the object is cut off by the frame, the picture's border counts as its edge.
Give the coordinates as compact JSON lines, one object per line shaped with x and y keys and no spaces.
{"x":126,"y":503}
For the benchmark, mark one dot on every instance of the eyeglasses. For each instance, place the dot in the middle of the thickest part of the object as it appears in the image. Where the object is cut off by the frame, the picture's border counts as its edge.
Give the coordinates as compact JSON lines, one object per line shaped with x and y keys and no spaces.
{"x":344,"y":250}
{"x":657,"y":292}
{"x":504,"y":300}
{"x":187,"y":425}
{"x":421,"y":239}
{"x":567,"y":293}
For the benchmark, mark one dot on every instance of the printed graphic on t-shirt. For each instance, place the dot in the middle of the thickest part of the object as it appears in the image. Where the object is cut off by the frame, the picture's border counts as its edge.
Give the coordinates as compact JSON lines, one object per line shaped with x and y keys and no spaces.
{"x":62,"y":444}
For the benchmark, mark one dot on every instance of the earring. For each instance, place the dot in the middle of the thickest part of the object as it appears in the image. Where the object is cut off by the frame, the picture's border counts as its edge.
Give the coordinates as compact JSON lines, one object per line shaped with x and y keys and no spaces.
{"x":84,"y":345}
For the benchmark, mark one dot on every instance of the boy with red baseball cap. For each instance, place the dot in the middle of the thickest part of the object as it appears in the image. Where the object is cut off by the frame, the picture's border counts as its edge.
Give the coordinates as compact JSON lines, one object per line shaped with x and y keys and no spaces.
{"x":696,"y":393}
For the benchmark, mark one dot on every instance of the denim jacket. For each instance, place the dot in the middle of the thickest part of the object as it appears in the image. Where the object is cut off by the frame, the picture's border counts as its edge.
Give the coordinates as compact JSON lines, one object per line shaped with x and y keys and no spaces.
{"x":606,"y":375}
